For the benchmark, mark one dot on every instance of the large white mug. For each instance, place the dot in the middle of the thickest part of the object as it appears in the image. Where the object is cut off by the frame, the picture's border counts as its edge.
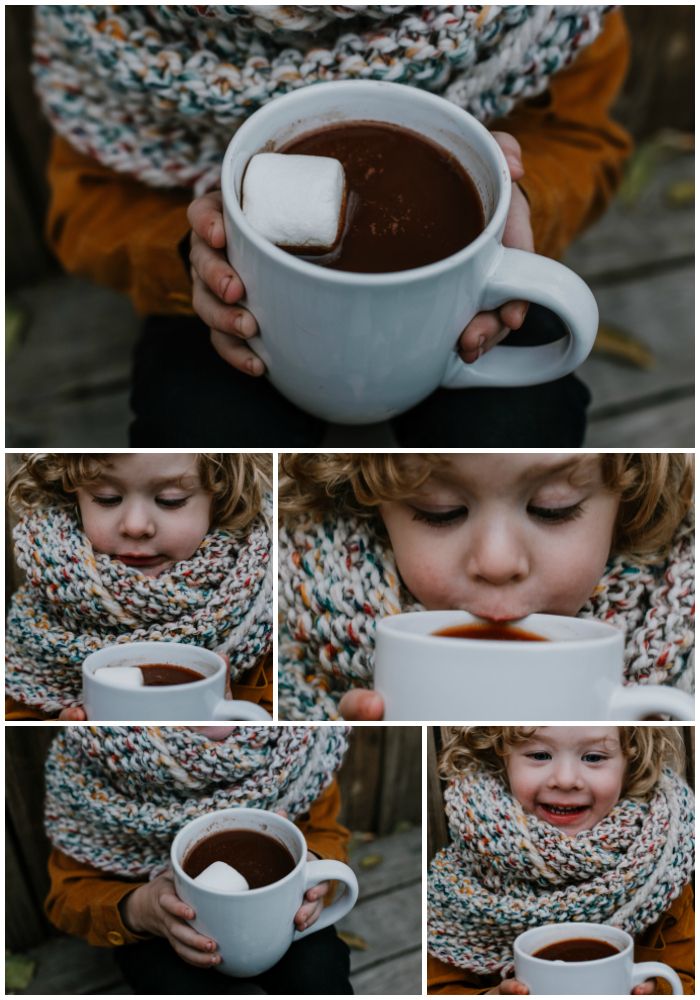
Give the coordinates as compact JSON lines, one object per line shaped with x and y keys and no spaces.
{"x":616,"y":975}
{"x":575,"y":675}
{"x":191,"y":702}
{"x":359,"y":348}
{"x":254,"y":929}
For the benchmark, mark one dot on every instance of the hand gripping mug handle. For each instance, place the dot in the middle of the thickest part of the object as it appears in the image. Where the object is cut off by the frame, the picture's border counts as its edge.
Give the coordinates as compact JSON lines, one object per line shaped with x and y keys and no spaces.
{"x":519,"y":275}
{"x":327,"y":871}
{"x":647,"y":970}
{"x":240,"y":711}
{"x":641,"y":700}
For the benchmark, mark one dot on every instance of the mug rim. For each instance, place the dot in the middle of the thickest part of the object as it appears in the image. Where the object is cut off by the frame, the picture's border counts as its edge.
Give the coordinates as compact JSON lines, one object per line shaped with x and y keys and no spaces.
{"x":606,"y":633}
{"x":573,"y":927}
{"x":242,"y":893}
{"x":362,"y":278}
{"x":89,"y":670}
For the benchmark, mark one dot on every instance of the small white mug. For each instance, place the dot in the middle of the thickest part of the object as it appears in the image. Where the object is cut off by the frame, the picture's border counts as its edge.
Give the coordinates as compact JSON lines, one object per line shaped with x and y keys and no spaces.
{"x":191,"y":702}
{"x":254,"y":929}
{"x":576,"y":675}
{"x":616,"y":975}
{"x":359,"y":348}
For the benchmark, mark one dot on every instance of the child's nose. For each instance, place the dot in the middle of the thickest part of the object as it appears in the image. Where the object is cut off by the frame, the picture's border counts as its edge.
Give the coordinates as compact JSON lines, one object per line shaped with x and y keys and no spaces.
{"x":497,"y":556}
{"x":565,"y":774}
{"x":136,"y":520}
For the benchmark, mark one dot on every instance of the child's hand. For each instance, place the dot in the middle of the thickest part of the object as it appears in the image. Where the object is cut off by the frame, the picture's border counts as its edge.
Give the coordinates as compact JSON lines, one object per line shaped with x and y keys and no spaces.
{"x":216,"y":287}
{"x":647,"y":988}
{"x":76,"y":714}
{"x":359,"y":705}
{"x":510,"y":987}
{"x":156,"y":909}
{"x":488,"y":328}
{"x":310,"y":910}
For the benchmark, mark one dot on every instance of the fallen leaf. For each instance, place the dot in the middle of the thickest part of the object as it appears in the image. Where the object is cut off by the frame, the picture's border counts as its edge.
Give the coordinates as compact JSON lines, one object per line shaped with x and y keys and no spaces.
{"x":403,"y":826}
{"x":353,"y":941}
{"x":681,"y":193}
{"x":18,"y":971}
{"x":371,"y":860}
{"x":363,"y":838}
{"x":622,"y":346}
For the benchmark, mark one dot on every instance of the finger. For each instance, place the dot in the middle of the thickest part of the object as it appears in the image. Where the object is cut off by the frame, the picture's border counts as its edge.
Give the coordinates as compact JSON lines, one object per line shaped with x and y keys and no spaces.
{"x":513,"y":987}
{"x":236,"y":354}
{"x":476,"y":337}
{"x":173,"y":905}
{"x":206,"y":217}
{"x":512,"y":152}
{"x":362,"y":706}
{"x":201,"y":959}
{"x":307,"y":915}
{"x":317,"y":892}
{"x":518,"y":229}
{"x":215,"y":271}
{"x":512,"y":314}
{"x":189,"y":937}
{"x":73,"y":715}
{"x":213,"y":312}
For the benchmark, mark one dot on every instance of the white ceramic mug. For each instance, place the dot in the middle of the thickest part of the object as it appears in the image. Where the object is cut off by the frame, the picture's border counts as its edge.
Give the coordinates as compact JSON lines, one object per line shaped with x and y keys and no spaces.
{"x":195,"y":701}
{"x":616,"y":975}
{"x":359,"y":348}
{"x":576,"y":675}
{"x":254,"y":929}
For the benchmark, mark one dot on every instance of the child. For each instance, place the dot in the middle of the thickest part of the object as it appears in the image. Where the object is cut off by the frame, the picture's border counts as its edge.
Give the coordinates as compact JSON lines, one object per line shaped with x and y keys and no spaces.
{"x":554,"y":824}
{"x":115,"y":799}
{"x":126,"y":547}
{"x":501,"y":536}
{"x":144,"y":100}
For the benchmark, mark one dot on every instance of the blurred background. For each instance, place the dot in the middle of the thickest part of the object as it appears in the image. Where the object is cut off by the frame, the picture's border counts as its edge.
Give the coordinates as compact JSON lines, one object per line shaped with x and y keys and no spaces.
{"x":380,"y":785}
{"x":69,"y":342}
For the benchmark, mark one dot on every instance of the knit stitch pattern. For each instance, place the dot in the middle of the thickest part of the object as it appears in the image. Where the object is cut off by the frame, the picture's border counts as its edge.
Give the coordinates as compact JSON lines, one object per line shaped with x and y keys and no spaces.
{"x":117,"y":795}
{"x":76,"y":601}
{"x":338,"y":577}
{"x":157,"y":91}
{"x":506,"y":871}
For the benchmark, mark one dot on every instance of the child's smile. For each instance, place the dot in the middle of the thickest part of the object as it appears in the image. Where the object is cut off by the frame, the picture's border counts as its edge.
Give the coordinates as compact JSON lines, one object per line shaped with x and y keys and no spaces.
{"x":147,"y":511}
{"x":504,"y":536}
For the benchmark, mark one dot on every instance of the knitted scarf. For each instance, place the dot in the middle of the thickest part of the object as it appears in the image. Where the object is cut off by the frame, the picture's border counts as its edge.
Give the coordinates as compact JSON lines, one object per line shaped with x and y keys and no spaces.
{"x":75,"y":601}
{"x":338,"y":577}
{"x":157,"y":91}
{"x":506,"y":871}
{"x":117,"y":795}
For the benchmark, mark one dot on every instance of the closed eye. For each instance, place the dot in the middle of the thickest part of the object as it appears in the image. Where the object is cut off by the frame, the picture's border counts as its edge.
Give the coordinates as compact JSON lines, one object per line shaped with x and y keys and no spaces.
{"x":171,"y":503}
{"x":111,"y":501}
{"x":440,"y":518}
{"x":556,"y":515}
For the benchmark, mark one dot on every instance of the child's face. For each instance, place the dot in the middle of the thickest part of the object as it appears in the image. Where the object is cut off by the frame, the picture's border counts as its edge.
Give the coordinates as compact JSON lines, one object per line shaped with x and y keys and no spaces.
{"x":503,"y":536}
{"x":569,"y":776}
{"x":148,"y":511}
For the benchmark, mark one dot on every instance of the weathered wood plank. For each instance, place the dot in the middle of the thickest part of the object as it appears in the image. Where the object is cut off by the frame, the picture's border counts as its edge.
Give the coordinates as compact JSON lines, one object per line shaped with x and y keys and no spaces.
{"x":402,"y":769}
{"x":669,"y":425}
{"x":69,"y":966}
{"x":401,"y":861}
{"x":400,"y":976}
{"x":391,"y":925}
{"x":437,"y":824}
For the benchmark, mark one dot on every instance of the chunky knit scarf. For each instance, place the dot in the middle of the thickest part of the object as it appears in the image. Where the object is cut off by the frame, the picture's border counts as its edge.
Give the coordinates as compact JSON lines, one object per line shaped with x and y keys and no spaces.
{"x":506,"y":871}
{"x":76,"y":601}
{"x":157,"y":91}
{"x":338,"y":577}
{"x":117,"y":795}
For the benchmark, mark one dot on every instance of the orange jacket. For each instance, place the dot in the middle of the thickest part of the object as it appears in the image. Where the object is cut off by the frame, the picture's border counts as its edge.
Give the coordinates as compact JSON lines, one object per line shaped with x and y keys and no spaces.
{"x":123,"y":234}
{"x":255,"y":685}
{"x":84,"y":902}
{"x":670,"y":940}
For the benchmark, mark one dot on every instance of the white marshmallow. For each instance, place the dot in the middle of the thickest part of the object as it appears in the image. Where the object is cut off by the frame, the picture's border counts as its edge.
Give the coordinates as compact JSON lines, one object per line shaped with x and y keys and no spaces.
{"x":295,"y":201}
{"x":123,"y":677}
{"x":221,"y":876}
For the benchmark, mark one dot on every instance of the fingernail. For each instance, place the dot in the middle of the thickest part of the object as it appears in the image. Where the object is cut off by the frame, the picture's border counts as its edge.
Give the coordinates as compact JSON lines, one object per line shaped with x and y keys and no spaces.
{"x":254,"y":366}
{"x":223,"y":286}
{"x":482,"y":341}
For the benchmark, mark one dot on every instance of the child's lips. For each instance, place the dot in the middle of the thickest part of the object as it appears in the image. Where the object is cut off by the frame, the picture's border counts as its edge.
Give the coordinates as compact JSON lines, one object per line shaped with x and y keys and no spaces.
{"x":140,"y":561}
{"x":562,"y":814}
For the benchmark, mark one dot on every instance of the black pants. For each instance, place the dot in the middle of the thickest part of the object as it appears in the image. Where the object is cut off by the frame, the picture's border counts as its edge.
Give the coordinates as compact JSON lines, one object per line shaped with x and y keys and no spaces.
{"x":185,"y":395}
{"x":319,"y":964}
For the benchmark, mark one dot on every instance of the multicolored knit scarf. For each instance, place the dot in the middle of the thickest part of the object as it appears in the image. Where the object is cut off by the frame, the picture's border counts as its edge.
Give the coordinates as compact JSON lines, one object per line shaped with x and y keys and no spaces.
{"x":117,"y":795}
{"x":338,"y":577}
{"x":156,"y":91}
{"x":506,"y":871}
{"x":76,"y":601}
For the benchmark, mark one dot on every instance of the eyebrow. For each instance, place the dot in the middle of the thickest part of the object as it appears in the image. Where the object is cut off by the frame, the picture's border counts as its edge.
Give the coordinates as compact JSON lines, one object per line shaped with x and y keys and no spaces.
{"x":158,"y":482}
{"x":601,"y":739}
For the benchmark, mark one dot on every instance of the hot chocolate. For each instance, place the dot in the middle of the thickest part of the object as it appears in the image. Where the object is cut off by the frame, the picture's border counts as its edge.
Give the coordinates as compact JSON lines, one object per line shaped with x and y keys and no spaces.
{"x":577,"y":950}
{"x":161,"y":674}
{"x":260,"y":859}
{"x":410,"y":203}
{"x":490,"y":630}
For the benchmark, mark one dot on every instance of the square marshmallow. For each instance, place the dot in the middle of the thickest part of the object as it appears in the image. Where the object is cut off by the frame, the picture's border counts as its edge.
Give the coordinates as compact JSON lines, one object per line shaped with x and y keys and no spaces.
{"x":296,"y":202}
{"x":221,"y":876}
{"x":125,"y":677}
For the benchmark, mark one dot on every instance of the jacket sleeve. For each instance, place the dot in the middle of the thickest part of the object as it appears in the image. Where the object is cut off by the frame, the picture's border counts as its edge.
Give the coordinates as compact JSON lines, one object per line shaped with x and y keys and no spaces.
{"x":324,"y":835}
{"x":672,"y":941}
{"x":573,"y":153}
{"x":445,"y":979}
{"x":118,"y":232}
{"x":84,"y":902}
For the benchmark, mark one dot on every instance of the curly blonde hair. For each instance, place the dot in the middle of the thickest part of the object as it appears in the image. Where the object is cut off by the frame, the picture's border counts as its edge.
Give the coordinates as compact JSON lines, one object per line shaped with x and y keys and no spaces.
{"x":647,"y":749}
{"x":236,"y":482}
{"x":655,"y":490}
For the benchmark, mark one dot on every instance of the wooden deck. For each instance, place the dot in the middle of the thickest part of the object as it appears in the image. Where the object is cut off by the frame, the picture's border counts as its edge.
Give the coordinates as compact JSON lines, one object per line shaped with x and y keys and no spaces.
{"x":68,"y":374}
{"x":387,"y":918}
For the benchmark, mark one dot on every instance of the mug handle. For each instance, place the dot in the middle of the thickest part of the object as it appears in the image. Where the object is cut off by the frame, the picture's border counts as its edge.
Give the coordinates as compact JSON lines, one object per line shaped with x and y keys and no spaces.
{"x":329,"y":871}
{"x":640,"y":700}
{"x":647,"y":970}
{"x":520,"y":275}
{"x":240,"y":711}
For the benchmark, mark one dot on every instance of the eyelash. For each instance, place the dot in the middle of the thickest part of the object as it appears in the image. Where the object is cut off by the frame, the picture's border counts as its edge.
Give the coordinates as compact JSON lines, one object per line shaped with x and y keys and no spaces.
{"x":538,"y":755}
{"x":168,"y":504}
{"x":549,"y":515}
